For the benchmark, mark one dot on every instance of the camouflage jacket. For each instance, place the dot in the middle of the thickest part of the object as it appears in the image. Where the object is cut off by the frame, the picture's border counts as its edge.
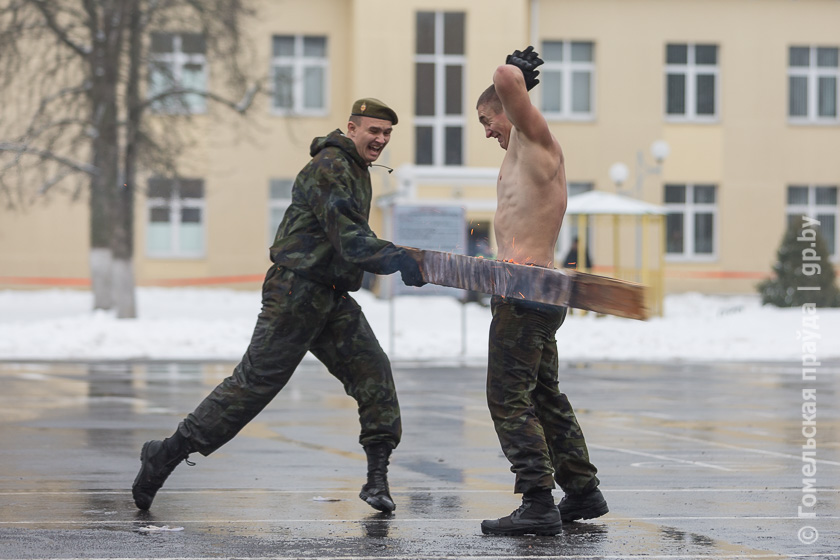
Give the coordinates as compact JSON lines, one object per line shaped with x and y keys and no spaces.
{"x":324,"y":235}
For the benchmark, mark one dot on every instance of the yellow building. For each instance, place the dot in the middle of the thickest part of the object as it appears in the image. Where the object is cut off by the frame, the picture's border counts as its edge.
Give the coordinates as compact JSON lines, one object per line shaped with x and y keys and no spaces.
{"x":739,"y":96}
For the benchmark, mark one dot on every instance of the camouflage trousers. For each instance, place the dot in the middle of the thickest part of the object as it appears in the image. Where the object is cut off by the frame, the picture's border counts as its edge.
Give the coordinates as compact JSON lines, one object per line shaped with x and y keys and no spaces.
{"x":536,"y":425}
{"x":297,"y":316}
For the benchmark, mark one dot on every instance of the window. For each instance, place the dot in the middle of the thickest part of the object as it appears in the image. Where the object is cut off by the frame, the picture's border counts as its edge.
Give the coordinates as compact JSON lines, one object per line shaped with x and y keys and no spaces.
{"x":299,"y":71}
{"x":691,"y":222}
{"x":812,"y":84}
{"x":279,"y":199}
{"x":567,"y":80}
{"x":439,"y":75}
{"x":691,"y":82}
{"x":819,"y":203}
{"x":178,"y":61}
{"x":175,"y":218}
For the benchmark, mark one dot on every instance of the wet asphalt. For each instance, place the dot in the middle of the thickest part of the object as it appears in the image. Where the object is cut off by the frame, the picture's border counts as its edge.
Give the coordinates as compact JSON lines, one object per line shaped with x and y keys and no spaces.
{"x":695,"y":460}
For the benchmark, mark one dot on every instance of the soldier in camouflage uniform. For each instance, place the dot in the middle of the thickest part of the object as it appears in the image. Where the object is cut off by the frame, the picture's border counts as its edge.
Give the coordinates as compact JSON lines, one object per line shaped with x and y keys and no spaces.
{"x":534,"y":421}
{"x":322,"y":247}
{"x":536,"y":425}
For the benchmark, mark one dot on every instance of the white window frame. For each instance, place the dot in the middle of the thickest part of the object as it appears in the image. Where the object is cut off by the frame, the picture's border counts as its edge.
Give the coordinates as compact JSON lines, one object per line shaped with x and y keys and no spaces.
{"x":299,"y":64}
{"x":813,"y":210}
{"x":177,"y":59}
{"x":691,"y":70}
{"x":566,"y":68}
{"x":440,"y":120}
{"x":689,"y":209}
{"x":813,"y":73}
{"x":277,"y":204}
{"x":176,"y":204}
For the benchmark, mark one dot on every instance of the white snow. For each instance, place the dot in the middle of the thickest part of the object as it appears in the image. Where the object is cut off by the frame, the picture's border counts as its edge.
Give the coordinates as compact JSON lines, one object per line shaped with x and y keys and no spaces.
{"x":216,"y":324}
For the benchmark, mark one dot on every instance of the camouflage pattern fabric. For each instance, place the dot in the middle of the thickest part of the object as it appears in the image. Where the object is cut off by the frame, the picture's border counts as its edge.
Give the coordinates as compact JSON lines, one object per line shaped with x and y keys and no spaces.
{"x":536,"y":425}
{"x":297,"y":316}
{"x":324,"y":235}
{"x":322,"y":248}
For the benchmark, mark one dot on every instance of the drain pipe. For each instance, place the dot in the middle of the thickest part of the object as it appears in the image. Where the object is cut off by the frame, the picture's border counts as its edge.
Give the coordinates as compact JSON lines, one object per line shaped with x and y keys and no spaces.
{"x":535,"y":23}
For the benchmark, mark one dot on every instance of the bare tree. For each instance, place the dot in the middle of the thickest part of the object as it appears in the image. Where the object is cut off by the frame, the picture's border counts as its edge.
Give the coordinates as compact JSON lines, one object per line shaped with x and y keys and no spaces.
{"x":73,"y":113}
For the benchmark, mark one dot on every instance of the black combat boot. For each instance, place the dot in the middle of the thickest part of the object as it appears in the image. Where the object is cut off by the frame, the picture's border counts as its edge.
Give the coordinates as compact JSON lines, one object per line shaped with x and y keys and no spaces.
{"x":536,"y":516}
{"x":583,"y":506}
{"x":376,"y":492}
{"x":157,"y":461}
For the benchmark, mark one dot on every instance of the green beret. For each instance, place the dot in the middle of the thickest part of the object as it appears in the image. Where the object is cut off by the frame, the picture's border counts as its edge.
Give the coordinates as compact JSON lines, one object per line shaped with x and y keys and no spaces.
{"x":370,"y":107}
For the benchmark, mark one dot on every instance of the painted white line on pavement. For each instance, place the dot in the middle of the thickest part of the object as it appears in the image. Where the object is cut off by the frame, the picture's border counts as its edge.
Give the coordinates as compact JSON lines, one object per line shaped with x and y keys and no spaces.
{"x":317,"y":491}
{"x":593,"y":446}
{"x":395,"y":521}
{"x":644,"y":431}
{"x":660,"y":457}
{"x":707,"y":442}
{"x":705,"y":556}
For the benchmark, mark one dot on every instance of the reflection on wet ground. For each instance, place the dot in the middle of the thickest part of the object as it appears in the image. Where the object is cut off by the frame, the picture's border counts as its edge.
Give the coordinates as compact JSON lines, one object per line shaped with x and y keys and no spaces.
{"x":695,"y":460}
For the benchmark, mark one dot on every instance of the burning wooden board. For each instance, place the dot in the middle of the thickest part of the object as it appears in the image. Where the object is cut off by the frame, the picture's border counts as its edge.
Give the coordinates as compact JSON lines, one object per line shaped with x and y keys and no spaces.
{"x":545,"y":285}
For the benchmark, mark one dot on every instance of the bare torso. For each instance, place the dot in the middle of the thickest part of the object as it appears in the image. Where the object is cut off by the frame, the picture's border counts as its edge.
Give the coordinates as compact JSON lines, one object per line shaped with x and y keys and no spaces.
{"x":531,"y":192}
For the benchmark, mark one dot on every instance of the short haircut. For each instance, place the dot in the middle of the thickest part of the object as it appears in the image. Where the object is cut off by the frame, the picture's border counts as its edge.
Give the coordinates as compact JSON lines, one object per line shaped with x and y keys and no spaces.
{"x":490,"y":98}
{"x":355,"y":119}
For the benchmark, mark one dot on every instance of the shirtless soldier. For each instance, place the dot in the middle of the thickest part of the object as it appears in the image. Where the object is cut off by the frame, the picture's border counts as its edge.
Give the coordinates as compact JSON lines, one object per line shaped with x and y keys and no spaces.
{"x":536,"y":425}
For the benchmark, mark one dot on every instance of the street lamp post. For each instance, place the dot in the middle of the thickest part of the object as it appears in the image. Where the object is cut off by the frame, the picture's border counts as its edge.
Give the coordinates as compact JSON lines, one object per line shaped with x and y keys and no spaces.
{"x":619,"y":173}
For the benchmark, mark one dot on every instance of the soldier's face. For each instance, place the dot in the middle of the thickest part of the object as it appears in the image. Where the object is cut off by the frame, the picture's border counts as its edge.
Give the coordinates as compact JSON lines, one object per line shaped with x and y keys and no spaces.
{"x":496,"y":125}
{"x":370,"y":136}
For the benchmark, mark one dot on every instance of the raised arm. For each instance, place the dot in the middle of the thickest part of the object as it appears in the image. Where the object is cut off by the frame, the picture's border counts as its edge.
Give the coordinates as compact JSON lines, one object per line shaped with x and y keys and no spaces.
{"x":513,"y":80}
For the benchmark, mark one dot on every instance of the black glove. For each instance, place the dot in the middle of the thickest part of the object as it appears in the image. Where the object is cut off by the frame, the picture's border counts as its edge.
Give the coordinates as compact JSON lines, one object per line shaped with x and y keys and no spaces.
{"x":410,"y":272}
{"x":527,"y":61}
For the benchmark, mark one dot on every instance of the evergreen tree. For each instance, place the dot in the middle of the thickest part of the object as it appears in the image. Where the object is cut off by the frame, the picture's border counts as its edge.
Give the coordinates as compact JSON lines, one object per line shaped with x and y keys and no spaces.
{"x":803,"y":262}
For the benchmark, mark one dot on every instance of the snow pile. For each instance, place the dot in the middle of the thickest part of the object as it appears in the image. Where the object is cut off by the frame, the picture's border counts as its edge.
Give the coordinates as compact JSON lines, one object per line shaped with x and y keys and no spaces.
{"x":216,"y":324}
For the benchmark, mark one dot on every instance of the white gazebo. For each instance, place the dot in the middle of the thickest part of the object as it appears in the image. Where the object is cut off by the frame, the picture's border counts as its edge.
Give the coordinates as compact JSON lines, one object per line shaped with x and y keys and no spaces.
{"x":474,"y":190}
{"x":649,"y":246}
